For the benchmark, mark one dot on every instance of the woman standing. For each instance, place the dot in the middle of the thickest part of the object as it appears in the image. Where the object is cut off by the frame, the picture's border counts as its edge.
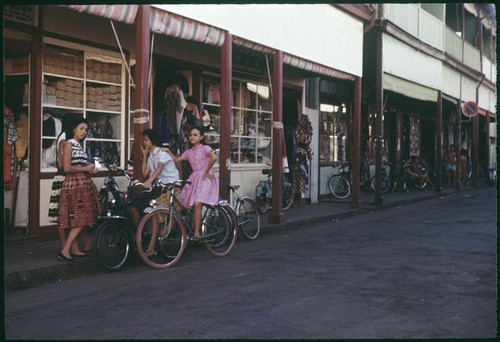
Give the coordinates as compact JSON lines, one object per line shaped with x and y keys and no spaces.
{"x":79,"y":201}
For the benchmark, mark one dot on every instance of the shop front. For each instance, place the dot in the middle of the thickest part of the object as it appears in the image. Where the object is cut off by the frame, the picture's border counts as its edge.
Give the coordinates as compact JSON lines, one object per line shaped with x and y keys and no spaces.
{"x":54,"y":71}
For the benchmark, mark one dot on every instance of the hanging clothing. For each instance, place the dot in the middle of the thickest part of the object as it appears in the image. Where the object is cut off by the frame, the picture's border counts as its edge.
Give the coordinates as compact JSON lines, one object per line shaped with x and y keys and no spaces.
{"x":22,"y":142}
{"x":303,"y":154}
{"x":11,"y":135}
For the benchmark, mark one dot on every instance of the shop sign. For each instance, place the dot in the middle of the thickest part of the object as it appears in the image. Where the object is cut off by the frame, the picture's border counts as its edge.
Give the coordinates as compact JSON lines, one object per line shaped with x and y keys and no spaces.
{"x":470,"y":109}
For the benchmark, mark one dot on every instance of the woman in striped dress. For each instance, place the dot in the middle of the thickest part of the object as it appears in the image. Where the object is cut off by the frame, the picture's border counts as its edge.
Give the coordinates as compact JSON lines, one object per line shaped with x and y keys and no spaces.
{"x":79,"y":202}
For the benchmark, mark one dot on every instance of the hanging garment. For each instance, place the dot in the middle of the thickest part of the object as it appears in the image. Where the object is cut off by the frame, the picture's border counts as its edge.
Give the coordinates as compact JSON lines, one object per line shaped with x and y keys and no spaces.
{"x":9,"y":150}
{"x":22,"y":142}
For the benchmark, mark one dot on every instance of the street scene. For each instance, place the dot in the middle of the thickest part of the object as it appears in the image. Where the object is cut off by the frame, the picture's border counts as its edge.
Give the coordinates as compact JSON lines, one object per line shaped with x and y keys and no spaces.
{"x":419,"y":270}
{"x":250,"y":171}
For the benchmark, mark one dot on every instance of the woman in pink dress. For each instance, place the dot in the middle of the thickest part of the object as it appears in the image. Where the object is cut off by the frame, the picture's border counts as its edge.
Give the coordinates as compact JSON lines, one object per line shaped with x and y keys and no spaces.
{"x":204,"y":187}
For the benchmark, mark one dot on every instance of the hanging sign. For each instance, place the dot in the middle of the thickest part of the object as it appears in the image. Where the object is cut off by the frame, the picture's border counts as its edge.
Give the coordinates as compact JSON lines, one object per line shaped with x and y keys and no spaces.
{"x":470,"y":109}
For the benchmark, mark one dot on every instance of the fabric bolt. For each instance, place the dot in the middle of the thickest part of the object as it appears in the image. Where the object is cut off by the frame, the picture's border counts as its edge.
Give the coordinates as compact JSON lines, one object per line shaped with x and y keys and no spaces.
{"x":11,"y":135}
{"x":201,"y":189}
{"x":79,"y":202}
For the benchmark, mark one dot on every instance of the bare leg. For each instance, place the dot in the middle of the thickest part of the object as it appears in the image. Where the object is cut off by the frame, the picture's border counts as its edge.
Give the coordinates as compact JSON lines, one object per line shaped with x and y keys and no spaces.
{"x":73,"y":234}
{"x":87,"y":244}
{"x":62,"y":236}
{"x":154,"y":236}
{"x":197,"y":218}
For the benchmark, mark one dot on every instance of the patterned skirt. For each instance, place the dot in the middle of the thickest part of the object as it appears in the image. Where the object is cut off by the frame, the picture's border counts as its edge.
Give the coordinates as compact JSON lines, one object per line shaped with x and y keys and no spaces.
{"x":79,"y":201}
{"x":57,"y":184}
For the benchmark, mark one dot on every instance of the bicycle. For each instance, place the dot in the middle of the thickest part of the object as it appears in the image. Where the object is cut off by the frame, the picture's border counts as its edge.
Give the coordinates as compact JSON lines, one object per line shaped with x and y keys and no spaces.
{"x":247,"y":214}
{"x":339,"y":183}
{"x":386,"y":179}
{"x":170,"y":225}
{"x":114,"y":228}
{"x":264,"y":192}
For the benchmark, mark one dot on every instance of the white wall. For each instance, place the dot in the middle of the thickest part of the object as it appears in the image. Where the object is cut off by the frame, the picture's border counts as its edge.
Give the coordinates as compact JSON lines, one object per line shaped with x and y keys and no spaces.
{"x":403,"y":61}
{"x":317,"y":32}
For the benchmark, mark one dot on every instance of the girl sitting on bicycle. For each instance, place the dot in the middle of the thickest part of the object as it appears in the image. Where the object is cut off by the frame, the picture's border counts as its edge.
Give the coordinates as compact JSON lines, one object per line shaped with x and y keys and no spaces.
{"x":204,"y":185}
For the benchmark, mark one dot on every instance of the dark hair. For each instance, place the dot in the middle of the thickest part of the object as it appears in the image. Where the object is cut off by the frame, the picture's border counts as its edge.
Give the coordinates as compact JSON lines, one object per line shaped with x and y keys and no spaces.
{"x":153,"y":135}
{"x":202,"y":132}
{"x":73,"y":123}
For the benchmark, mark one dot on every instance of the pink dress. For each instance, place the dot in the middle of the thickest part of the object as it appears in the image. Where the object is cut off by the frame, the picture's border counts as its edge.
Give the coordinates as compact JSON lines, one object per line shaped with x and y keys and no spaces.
{"x":201,"y":189}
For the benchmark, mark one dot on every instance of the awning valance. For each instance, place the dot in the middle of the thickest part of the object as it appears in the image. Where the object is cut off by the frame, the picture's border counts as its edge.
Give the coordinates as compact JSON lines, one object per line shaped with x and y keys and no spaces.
{"x":409,"y":89}
{"x":123,"y":13}
{"x":295,"y":61}
{"x":177,"y":26}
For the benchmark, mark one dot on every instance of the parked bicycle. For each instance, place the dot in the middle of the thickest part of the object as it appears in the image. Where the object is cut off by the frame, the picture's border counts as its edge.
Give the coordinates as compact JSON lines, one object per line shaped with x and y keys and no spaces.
{"x":248,"y":218}
{"x":171,"y":225}
{"x":386,"y":178}
{"x":115,"y":229}
{"x":339,"y":183}
{"x":263,"y":192}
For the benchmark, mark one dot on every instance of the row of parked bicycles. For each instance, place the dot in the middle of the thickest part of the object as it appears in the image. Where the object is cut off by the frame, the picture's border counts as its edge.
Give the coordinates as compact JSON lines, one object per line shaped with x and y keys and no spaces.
{"x":167,"y":223}
{"x":393,"y":179}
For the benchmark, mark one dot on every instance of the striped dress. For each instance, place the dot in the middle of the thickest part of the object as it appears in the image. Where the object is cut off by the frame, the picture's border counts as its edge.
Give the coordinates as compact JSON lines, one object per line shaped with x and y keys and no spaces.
{"x":79,"y":202}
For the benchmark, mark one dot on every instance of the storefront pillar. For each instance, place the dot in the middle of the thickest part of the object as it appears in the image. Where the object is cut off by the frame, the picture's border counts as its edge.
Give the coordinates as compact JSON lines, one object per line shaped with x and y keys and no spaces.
{"x":35,"y":134}
{"x":458,"y":125}
{"x":356,"y":145}
{"x":142,"y":118}
{"x":438,"y":157}
{"x":276,"y":215}
{"x":475,"y":149}
{"x":379,"y":112}
{"x":225,"y":115}
{"x":486,"y":164}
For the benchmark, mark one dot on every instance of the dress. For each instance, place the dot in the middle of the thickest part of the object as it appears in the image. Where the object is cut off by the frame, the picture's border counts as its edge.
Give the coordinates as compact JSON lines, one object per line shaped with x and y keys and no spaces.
{"x":201,"y":189}
{"x":79,"y":202}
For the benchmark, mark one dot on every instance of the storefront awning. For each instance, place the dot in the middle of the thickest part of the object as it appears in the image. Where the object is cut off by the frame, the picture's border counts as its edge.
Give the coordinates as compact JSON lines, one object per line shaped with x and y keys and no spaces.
{"x":409,"y":89}
{"x":295,"y":61}
{"x":177,"y":26}
{"x":122,"y":13}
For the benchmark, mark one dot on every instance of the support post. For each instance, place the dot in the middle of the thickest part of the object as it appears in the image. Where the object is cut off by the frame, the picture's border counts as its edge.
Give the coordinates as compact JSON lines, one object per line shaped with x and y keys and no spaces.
{"x":276,"y":215}
{"x":378,"y":199}
{"x":438,"y":156}
{"x":226,"y":117}
{"x":142,"y":116}
{"x":356,"y":145}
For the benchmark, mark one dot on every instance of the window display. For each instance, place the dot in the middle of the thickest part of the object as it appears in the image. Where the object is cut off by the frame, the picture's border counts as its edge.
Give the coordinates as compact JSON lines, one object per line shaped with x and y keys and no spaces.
{"x":88,"y":84}
{"x":251,"y":120}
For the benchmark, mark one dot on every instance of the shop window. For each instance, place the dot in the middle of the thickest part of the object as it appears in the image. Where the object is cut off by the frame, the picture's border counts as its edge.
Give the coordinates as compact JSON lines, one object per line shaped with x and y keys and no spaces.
{"x":250,"y":120}
{"x":86,"y":84}
{"x":333,"y":133}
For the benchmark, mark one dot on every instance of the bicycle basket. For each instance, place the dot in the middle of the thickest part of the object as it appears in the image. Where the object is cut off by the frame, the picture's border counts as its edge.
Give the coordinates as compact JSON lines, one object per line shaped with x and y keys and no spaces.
{"x":164,"y":199}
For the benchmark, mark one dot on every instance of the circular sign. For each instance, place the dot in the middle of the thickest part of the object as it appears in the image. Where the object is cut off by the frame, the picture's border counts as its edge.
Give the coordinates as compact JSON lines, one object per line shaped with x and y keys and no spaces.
{"x":470,"y":109}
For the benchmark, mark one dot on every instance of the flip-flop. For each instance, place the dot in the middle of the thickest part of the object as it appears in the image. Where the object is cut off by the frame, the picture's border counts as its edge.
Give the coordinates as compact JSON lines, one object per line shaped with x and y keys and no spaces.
{"x":149,"y":252}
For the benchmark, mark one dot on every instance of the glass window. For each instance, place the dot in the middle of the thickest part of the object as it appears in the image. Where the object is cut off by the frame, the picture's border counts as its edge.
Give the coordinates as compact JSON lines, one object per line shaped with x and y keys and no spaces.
{"x":250,"y":120}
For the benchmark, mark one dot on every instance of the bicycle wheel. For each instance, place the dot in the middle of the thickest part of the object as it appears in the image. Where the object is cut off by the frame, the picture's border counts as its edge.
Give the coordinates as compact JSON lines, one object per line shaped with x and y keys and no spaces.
{"x":339,"y":187}
{"x":400,"y":184}
{"x":168,"y":232}
{"x":248,"y":218}
{"x":287,"y":199}
{"x":385,"y":184}
{"x":218,"y":230}
{"x":112,"y":243}
{"x":262,"y":203}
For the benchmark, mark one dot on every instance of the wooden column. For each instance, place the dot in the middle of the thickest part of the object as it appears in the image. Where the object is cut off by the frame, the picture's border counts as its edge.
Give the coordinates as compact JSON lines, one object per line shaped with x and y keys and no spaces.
{"x":142,"y":117}
{"x":475,"y":149}
{"x":356,"y":145}
{"x":487,"y":146}
{"x":438,"y":156}
{"x":276,"y":215}
{"x":378,"y":198}
{"x":226,"y":65}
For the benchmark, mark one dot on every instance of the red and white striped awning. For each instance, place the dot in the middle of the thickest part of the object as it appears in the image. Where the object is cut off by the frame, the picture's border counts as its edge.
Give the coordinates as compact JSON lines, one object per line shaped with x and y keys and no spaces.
{"x":177,"y":26}
{"x":294,"y":61}
{"x":122,"y":13}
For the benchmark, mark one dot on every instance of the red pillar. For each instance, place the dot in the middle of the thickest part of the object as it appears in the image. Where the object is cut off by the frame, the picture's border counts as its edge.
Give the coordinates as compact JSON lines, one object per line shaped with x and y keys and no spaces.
{"x":378,"y":198}
{"x":276,"y":215}
{"x":356,"y":145}
{"x":438,"y":157}
{"x":226,"y":66}
{"x":142,"y":116}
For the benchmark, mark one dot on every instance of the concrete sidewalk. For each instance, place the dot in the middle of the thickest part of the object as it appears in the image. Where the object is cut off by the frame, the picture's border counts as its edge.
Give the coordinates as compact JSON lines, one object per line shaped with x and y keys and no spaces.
{"x":28,"y":265}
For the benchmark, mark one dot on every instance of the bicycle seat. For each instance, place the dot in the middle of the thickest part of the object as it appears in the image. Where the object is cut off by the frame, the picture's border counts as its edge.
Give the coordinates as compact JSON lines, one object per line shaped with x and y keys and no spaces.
{"x":267,"y":171}
{"x":233,"y":187}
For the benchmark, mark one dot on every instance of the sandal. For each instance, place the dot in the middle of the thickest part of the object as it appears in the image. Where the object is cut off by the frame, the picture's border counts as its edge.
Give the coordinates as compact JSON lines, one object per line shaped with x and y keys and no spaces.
{"x":150,"y":252}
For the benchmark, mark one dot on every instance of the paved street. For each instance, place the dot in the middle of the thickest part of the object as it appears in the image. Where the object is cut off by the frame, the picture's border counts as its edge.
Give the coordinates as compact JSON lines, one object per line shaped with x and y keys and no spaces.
{"x":421,"y":270}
